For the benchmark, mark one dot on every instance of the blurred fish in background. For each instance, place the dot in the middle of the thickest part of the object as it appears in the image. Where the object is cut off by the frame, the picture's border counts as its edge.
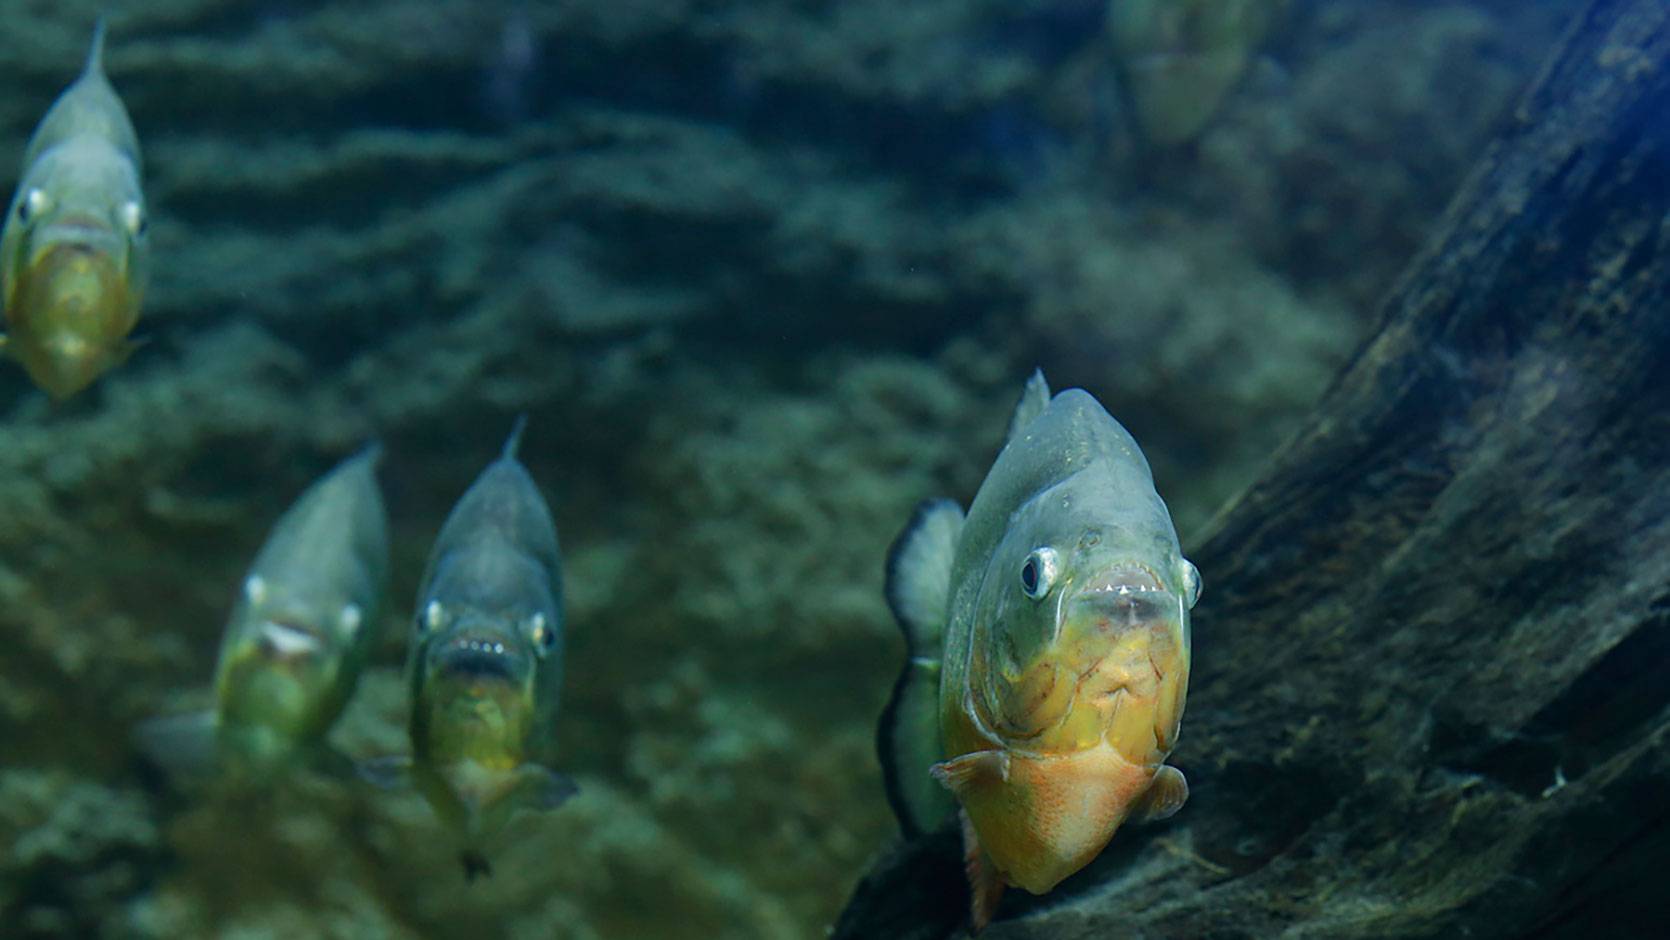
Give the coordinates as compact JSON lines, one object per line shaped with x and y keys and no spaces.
{"x":73,"y":252}
{"x":1179,"y":58}
{"x":301,"y":632}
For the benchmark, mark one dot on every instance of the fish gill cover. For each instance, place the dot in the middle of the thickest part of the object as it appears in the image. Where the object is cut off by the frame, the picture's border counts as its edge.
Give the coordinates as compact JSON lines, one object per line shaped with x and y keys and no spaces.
{"x":762,"y":275}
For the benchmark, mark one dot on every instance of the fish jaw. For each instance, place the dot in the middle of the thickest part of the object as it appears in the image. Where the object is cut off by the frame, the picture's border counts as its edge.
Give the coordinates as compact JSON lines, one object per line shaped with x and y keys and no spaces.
{"x":477,"y":699}
{"x":71,"y":307}
{"x":269,"y":708}
{"x":1115,"y":673}
{"x":1040,"y":818}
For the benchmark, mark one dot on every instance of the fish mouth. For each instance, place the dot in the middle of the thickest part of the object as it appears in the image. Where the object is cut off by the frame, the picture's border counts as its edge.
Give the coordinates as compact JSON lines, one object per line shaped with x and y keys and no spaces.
{"x":477,"y":657}
{"x":82,"y":230}
{"x":288,"y":640}
{"x":1126,"y":598}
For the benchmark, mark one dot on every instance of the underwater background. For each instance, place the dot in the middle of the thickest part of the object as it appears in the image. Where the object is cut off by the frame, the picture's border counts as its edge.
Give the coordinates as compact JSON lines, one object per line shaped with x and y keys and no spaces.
{"x":762,"y":275}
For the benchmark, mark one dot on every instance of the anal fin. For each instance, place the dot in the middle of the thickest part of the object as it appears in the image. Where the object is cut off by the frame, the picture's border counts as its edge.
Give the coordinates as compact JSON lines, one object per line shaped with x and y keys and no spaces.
{"x":985,"y":886}
{"x":1164,"y":796}
{"x":475,"y":865}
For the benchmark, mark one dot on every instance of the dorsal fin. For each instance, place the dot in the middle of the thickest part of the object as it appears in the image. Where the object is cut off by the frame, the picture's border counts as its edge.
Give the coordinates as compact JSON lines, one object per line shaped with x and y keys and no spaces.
{"x":95,"y":54}
{"x":514,"y":441}
{"x":1034,"y":399}
{"x":371,"y":452}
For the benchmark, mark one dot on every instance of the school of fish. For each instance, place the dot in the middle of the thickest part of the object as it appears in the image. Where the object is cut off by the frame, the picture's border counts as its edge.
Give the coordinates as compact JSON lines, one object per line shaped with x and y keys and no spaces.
{"x":1047,"y":627}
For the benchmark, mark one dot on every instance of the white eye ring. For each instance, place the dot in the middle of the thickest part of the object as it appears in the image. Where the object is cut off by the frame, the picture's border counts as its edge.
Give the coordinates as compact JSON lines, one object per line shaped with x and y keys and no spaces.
{"x":433,"y":615}
{"x":133,"y":218}
{"x":349,"y":619}
{"x":255,"y":589}
{"x":1038,"y":572}
{"x":34,"y":203}
{"x":1191,"y":584}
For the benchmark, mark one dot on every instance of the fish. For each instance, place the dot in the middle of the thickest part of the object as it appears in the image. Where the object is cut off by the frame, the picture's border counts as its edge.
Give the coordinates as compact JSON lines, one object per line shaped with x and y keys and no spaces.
{"x":1178,"y":59}
{"x":300,"y":633}
{"x":74,"y":249}
{"x":1048,"y":650}
{"x":485,"y":662}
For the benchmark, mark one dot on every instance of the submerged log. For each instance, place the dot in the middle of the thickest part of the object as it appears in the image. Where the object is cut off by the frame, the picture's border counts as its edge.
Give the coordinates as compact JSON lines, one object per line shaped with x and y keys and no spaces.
{"x":1432,"y":662}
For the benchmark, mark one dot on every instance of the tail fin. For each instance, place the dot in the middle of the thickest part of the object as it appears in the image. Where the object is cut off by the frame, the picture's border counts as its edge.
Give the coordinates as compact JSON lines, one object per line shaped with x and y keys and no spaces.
{"x":907,"y":737}
{"x":515,"y":439}
{"x":95,"y":55}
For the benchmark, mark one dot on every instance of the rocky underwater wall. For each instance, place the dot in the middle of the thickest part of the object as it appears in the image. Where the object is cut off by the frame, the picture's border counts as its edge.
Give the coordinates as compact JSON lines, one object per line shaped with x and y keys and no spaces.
{"x":762,"y":276}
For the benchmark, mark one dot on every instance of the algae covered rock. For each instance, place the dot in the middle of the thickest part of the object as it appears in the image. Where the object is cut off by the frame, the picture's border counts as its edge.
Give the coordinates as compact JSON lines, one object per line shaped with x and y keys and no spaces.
{"x":75,"y":851}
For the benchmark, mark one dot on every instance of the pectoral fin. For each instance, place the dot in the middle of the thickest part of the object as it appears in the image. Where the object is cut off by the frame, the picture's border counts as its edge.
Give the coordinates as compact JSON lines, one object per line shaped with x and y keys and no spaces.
{"x":392,"y":772}
{"x":541,"y":789}
{"x":534,"y":788}
{"x":331,"y":762}
{"x":970,"y":770}
{"x":182,"y":745}
{"x":1164,"y":796}
{"x":127,"y":348}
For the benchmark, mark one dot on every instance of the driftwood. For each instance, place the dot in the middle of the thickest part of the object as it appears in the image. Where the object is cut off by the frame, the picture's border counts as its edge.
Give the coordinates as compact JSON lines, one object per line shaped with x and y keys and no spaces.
{"x":1432,"y":663}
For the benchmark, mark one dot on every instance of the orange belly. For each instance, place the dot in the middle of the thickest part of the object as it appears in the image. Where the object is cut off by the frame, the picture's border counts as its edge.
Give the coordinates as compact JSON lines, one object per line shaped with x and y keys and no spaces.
{"x":1052,"y":815}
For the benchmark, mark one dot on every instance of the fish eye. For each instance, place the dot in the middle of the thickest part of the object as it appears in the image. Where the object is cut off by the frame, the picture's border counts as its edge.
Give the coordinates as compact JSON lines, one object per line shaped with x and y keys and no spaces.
{"x":349,"y":619}
{"x":1038,"y":572}
{"x":432,"y":617}
{"x":32,"y":204}
{"x":133,"y":218}
{"x":255,"y":589}
{"x":1191,"y":584}
{"x":543,"y":636}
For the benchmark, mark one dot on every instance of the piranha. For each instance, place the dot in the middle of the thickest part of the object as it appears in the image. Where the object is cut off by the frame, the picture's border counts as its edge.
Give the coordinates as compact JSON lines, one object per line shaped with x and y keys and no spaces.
{"x":73,"y":252}
{"x":485,"y":662}
{"x":1048,"y":641}
{"x":300,"y":633}
{"x":1180,"y":58}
